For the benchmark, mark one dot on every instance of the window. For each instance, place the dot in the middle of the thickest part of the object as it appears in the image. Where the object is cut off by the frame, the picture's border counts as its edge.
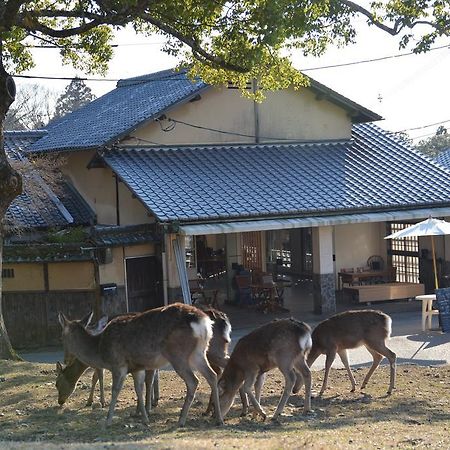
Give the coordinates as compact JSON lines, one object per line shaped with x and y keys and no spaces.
{"x":405,"y":254}
{"x":7,"y":273}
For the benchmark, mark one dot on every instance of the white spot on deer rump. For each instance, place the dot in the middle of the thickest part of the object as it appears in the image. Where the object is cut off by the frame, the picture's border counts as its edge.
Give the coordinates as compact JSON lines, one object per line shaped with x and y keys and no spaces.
{"x":203,"y":329}
{"x":305,"y":342}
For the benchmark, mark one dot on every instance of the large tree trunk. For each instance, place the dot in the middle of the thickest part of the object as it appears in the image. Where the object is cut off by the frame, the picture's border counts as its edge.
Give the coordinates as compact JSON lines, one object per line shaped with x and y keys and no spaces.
{"x":10,"y":188}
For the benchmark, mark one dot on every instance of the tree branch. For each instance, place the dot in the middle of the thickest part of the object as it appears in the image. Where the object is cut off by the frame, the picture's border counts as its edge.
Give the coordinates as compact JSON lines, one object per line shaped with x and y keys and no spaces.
{"x":194,"y":45}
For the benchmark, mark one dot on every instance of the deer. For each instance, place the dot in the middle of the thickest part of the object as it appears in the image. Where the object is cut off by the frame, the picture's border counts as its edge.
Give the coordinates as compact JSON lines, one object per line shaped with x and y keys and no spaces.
{"x":177,"y":334}
{"x":352,"y":329}
{"x":68,"y":376}
{"x":217,"y":355}
{"x":282,"y":343}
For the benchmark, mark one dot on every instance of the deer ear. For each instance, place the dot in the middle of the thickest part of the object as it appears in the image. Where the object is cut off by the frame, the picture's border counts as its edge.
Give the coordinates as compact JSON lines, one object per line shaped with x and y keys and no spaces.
{"x":59,"y":367}
{"x":62,"y":320}
{"x":86,"y":319}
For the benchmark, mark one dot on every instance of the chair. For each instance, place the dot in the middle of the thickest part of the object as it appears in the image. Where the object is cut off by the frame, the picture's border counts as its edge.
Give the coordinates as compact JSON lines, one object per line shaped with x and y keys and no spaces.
{"x":244,"y":289}
{"x":443,"y":303}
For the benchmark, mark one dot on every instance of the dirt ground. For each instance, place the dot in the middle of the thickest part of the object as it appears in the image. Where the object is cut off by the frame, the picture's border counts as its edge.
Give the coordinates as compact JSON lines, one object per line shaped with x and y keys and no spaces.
{"x":417,"y":415}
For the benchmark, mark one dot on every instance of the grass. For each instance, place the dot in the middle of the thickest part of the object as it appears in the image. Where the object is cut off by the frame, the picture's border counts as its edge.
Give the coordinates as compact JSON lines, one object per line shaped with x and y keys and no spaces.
{"x":417,"y":415}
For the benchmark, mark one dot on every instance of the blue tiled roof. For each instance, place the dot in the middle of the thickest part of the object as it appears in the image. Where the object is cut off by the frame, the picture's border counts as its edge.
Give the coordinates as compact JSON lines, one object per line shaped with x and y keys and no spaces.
{"x":444,"y":158}
{"x":112,"y":116}
{"x":137,"y":100}
{"x":373,"y":171}
{"x":40,"y":208}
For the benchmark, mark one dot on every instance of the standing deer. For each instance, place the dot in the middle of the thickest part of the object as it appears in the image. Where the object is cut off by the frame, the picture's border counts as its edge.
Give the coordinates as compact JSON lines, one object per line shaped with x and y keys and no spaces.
{"x":217,"y":355}
{"x":281,"y":343}
{"x":68,"y":376}
{"x":177,"y":334}
{"x":351,"y":329}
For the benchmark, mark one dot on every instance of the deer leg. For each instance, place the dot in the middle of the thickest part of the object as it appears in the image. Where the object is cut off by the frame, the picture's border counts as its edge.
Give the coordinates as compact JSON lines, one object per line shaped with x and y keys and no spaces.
{"x":298,"y":382}
{"x":210,"y":376}
{"x":90,"y":399}
{"x":244,"y":401}
{"x":139,"y":379}
{"x":343,"y":354}
{"x":260,"y":379}
{"x":331,"y":354}
{"x":305,"y":375}
{"x":218,"y":370}
{"x":289,"y":381}
{"x":381,"y":349}
{"x":150,"y":376}
{"x":191,"y":381}
{"x":102,"y":386}
{"x":155,"y":392}
{"x":118,"y":377}
{"x":248,"y":385}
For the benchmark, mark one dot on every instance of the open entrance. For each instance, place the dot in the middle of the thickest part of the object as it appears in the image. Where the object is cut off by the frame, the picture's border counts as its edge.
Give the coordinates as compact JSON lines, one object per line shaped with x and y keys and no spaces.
{"x":144,"y":287}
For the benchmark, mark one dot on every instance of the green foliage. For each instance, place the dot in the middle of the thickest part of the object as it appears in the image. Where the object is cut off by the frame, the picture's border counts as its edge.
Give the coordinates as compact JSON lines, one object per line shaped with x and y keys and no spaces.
{"x":66,"y":236}
{"x":237,"y":40}
{"x":75,"y":95}
{"x":435,"y":144}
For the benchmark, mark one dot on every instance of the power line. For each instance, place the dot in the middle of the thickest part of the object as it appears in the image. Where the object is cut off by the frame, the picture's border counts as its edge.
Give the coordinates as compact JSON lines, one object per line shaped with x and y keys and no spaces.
{"x":363,"y":61}
{"x":301,"y":70}
{"x":424,"y":126}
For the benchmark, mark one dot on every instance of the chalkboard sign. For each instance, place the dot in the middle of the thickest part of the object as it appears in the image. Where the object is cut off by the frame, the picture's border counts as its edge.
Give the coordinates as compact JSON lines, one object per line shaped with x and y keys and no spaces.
{"x":443,"y":302}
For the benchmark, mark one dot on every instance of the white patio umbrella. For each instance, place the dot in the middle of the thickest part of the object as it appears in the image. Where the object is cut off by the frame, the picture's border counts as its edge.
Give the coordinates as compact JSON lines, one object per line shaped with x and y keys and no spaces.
{"x":430,"y":227}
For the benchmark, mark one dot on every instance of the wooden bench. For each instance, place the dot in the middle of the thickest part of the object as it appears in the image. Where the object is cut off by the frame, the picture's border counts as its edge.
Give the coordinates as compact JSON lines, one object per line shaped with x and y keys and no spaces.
{"x":384,"y":291}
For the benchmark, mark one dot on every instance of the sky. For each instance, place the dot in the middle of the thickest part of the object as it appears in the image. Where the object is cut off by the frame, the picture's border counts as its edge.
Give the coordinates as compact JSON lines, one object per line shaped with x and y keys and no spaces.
{"x":409,"y":92}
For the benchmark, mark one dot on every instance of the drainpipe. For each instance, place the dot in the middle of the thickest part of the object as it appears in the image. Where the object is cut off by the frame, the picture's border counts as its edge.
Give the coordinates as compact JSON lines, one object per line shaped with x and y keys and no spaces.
{"x":256,"y":112}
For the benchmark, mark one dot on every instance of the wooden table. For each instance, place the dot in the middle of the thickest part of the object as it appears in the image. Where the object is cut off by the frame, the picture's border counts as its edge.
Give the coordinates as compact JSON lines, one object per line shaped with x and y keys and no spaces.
{"x":427,"y":310}
{"x":353,"y":277}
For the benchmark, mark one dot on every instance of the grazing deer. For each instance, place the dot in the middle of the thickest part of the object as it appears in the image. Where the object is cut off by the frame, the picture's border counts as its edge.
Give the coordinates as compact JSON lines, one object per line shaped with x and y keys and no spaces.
{"x":68,"y":376}
{"x":351,"y":329}
{"x":177,"y":334}
{"x":217,"y":355}
{"x":281,"y":343}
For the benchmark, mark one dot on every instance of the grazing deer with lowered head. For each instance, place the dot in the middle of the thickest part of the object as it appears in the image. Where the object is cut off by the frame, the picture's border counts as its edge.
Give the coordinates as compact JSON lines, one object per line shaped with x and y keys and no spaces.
{"x":177,"y":334}
{"x":351,"y":329}
{"x":68,"y":376}
{"x":217,"y":355}
{"x":281,"y":343}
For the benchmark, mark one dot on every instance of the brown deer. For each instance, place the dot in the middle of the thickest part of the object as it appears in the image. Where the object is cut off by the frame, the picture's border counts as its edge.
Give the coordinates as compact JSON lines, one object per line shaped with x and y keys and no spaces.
{"x":177,"y":334}
{"x":68,"y":376}
{"x":217,"y":355}
{"x":281,"y":343}
{"x":351,"y":329}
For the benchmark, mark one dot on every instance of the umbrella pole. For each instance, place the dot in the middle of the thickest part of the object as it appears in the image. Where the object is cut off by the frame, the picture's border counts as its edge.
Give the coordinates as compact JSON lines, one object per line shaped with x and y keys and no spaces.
{"x":434,"y":263}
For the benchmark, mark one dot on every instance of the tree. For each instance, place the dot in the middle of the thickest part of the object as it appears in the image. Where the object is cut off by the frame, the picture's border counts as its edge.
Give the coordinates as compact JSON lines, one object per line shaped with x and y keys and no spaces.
{"x":75,"y":95}
{"x":435,"y":144}
{"x":235,"y":40}
{"x":32,"y":109}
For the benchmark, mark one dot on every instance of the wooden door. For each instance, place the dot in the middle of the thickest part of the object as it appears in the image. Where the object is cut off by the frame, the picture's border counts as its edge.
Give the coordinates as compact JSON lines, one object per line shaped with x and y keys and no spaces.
{"x":251,"y":251}
{"x":144,"y":283}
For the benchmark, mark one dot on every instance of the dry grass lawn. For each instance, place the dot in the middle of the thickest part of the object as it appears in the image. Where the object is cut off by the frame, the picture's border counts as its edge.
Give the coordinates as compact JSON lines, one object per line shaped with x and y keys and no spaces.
{"x":417,"y":415}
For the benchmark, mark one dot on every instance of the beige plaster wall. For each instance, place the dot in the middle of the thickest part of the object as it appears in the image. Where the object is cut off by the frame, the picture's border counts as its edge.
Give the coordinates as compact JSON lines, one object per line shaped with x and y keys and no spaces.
{"x":287,"y":114}
{"x":114,"y":271}
{"x":73,"y":275}
{"x":97,"y":186}
{"x":132,"y":211}
{"x":354,"y":243}
{"x":27,"y":277}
